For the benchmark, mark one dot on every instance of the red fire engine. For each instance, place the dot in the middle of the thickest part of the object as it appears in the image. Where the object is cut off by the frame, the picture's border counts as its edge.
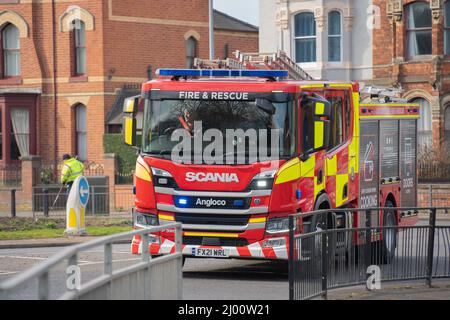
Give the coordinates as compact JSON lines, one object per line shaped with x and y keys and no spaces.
{"x":332,"y":152}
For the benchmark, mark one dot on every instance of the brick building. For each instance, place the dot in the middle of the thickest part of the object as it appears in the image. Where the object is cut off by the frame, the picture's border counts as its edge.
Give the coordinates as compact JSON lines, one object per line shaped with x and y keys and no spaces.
{"x":411,"y":51}
{"x":63,"y":61}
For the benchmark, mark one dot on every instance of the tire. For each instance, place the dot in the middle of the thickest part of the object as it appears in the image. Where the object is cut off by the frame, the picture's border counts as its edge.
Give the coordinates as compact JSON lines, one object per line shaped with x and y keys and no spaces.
{"x":319,"y":223}
{"x":389,"y":240}
{"x":184,"y":261}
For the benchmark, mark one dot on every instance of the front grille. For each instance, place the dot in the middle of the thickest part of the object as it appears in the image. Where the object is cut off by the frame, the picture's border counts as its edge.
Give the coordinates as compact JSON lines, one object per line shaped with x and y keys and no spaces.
{"x":213,"y":219}
{"x":212,"y":202}
{"x":223,"y":242}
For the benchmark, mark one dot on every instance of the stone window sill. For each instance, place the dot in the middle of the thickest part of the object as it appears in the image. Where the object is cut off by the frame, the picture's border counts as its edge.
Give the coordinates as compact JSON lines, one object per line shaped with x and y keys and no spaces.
{"x":11,"y":81}
{"x":78,"y":78}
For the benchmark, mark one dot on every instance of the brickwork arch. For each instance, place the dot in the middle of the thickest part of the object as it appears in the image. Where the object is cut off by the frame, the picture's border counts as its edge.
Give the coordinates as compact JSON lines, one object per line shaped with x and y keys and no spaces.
{"x":192,"y":33}
{"x":418,"y":93}
{"x":76,"y":13}
{"x":12,"y":17}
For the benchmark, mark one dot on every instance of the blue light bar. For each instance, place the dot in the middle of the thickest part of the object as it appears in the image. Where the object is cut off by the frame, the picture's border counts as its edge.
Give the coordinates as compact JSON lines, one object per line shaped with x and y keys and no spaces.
{"x":221,"y":73}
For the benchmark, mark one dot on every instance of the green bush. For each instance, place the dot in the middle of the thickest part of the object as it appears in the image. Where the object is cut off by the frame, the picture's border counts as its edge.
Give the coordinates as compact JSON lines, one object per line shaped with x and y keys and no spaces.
{"x":126,"y":155}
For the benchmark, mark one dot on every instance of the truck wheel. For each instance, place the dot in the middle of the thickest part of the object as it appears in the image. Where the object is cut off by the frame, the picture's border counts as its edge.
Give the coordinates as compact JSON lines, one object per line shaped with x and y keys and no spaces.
{"x":318,"y":223}
{"x":389,"y":241}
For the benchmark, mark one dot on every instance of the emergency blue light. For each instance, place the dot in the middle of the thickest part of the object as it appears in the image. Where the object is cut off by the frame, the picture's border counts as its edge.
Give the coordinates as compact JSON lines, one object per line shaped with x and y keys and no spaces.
{"x":221,"y":73}
{"x":182,"y":201}
{"x":239,"y":203}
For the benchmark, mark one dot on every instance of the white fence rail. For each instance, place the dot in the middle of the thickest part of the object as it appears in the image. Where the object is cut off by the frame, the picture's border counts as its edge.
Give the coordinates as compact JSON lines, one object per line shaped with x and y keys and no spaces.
{"x":150,"y":278}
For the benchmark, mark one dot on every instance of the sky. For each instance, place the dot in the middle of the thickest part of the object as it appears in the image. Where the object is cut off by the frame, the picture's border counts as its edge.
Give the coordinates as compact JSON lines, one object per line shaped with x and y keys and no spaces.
{"x":246,"y":10}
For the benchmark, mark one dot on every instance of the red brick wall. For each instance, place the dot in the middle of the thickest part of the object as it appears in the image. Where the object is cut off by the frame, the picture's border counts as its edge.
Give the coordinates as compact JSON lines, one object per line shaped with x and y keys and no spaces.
{"x":418,"y":78}
{"x":127,"y":38}
{"x":245,"y":42}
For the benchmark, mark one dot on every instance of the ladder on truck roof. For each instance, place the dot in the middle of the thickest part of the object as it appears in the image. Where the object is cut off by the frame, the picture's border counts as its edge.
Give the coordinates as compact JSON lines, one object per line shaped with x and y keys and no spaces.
{"x":384,"y":94}
{"x":259,"y":61}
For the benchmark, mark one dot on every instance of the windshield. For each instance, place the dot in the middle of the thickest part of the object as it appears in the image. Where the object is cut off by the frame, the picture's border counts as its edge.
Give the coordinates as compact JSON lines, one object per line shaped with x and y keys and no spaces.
{"x":224,"y":128}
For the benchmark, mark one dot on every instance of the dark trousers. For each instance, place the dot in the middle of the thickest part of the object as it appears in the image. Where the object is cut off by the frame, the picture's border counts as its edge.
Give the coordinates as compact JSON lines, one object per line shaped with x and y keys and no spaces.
{"x":69,"y":186}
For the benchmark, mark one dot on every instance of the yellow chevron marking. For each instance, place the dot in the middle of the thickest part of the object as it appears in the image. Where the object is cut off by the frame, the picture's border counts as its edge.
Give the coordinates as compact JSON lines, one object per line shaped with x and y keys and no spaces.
{"x":257,"y":220}
{"x":341,"y":180}
{"x":289,"y":171}
{"x":166,"y":217}
{"x":318,"y":187}
{"x":306,"y":86}
{"x":331,"y":166}
{"x":307,"y":167}
{"x":207,"y":234}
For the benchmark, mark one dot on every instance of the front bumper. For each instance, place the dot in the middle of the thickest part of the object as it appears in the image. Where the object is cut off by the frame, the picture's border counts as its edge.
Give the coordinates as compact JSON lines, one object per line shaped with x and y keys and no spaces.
{"x":255,"y":250}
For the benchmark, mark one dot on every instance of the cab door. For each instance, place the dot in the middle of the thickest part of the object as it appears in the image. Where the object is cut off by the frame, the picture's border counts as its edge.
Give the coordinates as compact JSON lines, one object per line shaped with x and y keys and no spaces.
{"x":339,"y":180}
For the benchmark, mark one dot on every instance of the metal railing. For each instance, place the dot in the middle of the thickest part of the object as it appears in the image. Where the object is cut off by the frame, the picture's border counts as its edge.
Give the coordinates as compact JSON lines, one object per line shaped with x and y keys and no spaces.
{"x":433,"y":172}
{"x":124,"y":177}
{"x":327,"y":258}
{"x":11,"y":176}
{"x":50,"y":171}
{"x":151,"y":278}
{"x":434,"y":196}
{"x":45,"y":202}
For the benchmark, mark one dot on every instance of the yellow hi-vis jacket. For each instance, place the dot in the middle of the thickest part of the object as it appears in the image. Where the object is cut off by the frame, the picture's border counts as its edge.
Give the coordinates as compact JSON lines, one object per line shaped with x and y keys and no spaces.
{"x":71,"y":170}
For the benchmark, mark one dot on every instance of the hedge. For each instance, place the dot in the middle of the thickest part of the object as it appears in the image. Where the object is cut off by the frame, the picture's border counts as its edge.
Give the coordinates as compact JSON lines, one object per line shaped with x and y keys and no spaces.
{"x":126,"y":155}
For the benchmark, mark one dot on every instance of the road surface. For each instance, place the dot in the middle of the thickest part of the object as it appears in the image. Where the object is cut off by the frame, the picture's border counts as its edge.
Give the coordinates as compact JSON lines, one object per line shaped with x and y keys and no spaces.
{"x":203,"y":279}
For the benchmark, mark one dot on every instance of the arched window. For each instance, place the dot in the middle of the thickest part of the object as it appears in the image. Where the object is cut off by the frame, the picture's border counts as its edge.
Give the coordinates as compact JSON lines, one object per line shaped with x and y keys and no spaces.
{"x":191,"y":52}
{"x":11,"y":51}
{"x":334,"y":36}
{"x":81,"y":132}
{"x":418,"y":29}
{"x":79,"y":33}
{"x":424,"y":125}
{"x":305,"y":37}
{"x":447,"y":27}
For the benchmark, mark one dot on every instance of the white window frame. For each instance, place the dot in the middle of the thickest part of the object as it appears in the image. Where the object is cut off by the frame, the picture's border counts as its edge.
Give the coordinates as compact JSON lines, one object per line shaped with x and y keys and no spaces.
{"x":340,"y":36}
{"x":78,"y":63}
{"x":79,"y":132}
{"x":6,"y":51}
{"x":415,"y":30}
{"x":421,"y":121}
{"x":191,"y":55}
{"x":309,"y":63}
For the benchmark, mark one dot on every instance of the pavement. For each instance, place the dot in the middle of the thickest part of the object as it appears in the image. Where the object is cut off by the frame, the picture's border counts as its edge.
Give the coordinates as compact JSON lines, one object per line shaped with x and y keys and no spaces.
{"x":418,"y":290}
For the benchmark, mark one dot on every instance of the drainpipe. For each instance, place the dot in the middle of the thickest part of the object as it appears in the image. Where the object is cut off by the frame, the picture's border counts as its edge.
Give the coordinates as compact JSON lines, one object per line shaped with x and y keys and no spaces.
{"x":211,"y":29}
{"x":55,"y":89}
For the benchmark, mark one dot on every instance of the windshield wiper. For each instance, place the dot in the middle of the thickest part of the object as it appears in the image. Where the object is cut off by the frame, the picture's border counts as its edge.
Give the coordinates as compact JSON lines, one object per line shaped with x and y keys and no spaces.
{"x":161,"y":153}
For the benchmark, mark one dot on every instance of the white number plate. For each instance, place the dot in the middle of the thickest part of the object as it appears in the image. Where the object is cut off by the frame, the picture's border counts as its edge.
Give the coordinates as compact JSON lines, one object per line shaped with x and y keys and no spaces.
{"x":207,"y":252}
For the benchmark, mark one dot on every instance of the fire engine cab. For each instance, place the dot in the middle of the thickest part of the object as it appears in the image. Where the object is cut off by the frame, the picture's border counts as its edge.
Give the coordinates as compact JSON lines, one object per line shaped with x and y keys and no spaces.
{"x":274,"y":147}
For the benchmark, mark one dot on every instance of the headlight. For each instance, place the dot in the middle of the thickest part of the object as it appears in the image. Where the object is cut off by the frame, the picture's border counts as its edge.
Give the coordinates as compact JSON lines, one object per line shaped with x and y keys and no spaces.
{"x":163,"y":178}
{"x":145,"y":220}
{"x":278,"y":225}
{"x":160,"y":172}
{"x":266,"y":175}
{"x":263,"y":180}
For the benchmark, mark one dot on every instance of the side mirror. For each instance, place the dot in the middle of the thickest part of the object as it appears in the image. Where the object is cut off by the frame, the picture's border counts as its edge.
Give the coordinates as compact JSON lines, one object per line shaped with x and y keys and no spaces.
{"x":131,"y":105}
{"x":321,"y":134}
{"x":321,"y":113}
{"x":130,"y":109}
{"x":322,"y":108}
